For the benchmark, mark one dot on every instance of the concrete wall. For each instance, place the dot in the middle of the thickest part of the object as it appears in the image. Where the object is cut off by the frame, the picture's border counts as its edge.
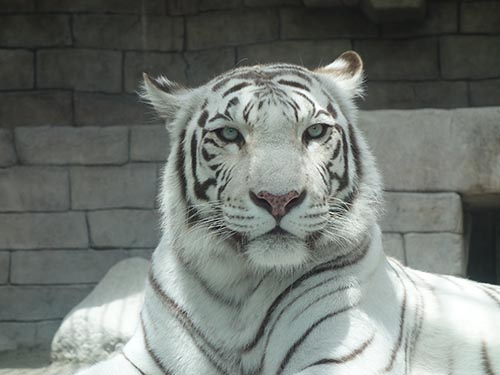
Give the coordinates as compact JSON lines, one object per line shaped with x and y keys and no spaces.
{"x":80,"y":156}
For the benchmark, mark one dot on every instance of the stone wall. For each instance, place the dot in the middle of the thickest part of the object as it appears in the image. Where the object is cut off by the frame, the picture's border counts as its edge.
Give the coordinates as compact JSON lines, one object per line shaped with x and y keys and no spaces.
{"x":80,"y":155}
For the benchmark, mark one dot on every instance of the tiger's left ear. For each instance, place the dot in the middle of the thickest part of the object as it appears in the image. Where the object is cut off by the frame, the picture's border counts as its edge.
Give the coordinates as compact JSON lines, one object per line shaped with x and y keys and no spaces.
{"x":347,"y":72}
{"x":163,"y":95}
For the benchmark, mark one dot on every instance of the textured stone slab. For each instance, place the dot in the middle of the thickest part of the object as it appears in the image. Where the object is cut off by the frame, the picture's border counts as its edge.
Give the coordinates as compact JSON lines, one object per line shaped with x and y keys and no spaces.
{"x":4,"y":268}
{"x":129,"y":32}
{"x":231,"y":28}
{"x":79,"y":69}
{"x":34,"y":189}
{"x":204,"y":65}
{"x":325,"y":24}
{"x":43,"y":230}
{"x":52,"y":266}
{"x":8,"y":6}
{"x":15,"y":335}
{"x":270,"y":3}
{"x":311,"y":54}
{"x":34,"y":362}
{"x":7,"y":151}
{"x":436,"y":252}
{"x":485,"y":92}
{"x":62,"y":145}
{"x":124,"y":228}
{"x":102,"y":6}
{"x":171,"y":65}
{"x":149,"y":143}
{"x":393,"y":246}
{"x":17,"y":69}
{"x":35,"y":108}
{"x":30,"y":30}
{"x":389,"y":10}
{"x":430,"y":212}
{"x":464,"y":56}
{"x":480,"y":17}
{"x":27,"y":303}
{"x":437,"y":150}
{"x":399,"y":59}
{"x":129,"y":186}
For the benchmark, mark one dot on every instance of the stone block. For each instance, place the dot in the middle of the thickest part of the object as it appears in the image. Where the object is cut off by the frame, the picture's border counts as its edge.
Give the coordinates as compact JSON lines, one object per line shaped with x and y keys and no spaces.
{"x":62,"y":266}
{"x":408,"y":95}
{"x":149,"y":143}
{"x":393,"y":246}
{"x":17,"y":69}
{"x":43,"y":230}
{"x":7,"y":151}
{"x":129,"y":186}
{"x":436,"y":252}
{"x":34,"y":30}
{"x":219,"y":4}
{"x":441,"y":18}
{"x":20,"y":337}
{"x":480,"y":17}
{"x":325,"y":24}
{"x":171,"y":65}
{"x":231,"y":28}
{"x":485,"y":93}
{"x":10,"y":6}
{"x":444,"y":150}
{"x":68,"y":145}
{"x":311,"y":54}
{"x":35,"y":108}
{"x":389,"y":10}
{"x":429,"y":212}
{"x":79,"y":69}
{"x":129,"y":32}
{"x":189,"y":7}
{"x":25,"y":303}
{"x":470,"y":56}
{"x":102,"y":6}
{"x":204,"y":65}
{"x":124,"y":228}
{"x":272,"y":3}
{"x":399,"y":59}
{"x":4,"y":267}
{"x":111,"y":109}
{"x":14,"y":335}
{"x":34,"y":189}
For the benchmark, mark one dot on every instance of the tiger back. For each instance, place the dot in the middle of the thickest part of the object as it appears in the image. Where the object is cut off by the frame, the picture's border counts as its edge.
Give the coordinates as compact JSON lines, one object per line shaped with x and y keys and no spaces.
{"x":271,"y":259}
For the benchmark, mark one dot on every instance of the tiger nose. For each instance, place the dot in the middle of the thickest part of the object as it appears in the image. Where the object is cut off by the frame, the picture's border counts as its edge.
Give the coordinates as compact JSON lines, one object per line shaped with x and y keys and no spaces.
{"x":277,"y":205}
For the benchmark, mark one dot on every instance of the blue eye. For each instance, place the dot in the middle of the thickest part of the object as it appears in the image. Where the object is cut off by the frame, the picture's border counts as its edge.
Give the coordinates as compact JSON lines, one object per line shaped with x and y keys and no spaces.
{"x":229,"y":134}
{"x":315,"y":131}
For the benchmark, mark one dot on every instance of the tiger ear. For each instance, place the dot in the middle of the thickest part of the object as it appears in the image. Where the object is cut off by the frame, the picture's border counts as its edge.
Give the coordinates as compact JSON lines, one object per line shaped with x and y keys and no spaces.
{"x":347,"y":71}
{"x":162,"y":94}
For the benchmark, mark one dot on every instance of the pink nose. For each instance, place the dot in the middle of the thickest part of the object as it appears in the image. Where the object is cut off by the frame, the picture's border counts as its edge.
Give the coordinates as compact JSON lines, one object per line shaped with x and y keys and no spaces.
{"x":277,"y":205}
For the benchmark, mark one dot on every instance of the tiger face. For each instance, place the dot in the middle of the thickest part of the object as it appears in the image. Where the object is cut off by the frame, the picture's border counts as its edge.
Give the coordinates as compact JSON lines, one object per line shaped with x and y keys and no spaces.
{"x":267,"y":163}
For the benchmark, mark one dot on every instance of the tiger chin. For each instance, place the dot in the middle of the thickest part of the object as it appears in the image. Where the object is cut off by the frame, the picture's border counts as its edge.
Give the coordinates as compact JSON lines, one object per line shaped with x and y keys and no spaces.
{"x":271,"y":259}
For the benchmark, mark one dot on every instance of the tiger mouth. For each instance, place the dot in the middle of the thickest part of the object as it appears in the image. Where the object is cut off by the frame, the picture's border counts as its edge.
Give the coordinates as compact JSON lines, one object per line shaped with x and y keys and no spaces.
{"x":277,"y":230}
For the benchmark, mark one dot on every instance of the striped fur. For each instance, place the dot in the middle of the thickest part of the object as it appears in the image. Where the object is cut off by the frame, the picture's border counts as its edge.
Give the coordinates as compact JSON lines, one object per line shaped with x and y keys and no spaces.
{"x":230,"y":293}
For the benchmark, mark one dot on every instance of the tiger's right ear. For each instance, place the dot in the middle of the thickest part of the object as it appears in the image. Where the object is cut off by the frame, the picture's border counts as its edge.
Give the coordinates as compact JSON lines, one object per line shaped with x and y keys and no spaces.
{"x":162,"y":94}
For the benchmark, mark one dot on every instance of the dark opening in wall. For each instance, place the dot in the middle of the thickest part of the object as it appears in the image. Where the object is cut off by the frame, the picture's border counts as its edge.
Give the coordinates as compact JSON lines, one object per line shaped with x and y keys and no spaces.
{"x":484,"y":246}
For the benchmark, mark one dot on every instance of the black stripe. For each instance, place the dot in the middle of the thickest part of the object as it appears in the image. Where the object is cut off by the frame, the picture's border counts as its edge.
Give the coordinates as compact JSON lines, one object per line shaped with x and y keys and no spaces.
{"x":294,"y":84}
{"x":331,"y":110}
{"x":132,"y":363}
{"x":344,"y":179}
{"x":206,"y":155}
{"x":236,"y":88}
{"x":200,"y":189}
{"x":319,"y":299}
{"x":180,"y":165}
{"x":151,"y":352}
{"x":355,"y":153}
{"x":485,"y":359}
{"x":218,"y":116}
{"x":313,"y":105}
{"x":202,"y":120}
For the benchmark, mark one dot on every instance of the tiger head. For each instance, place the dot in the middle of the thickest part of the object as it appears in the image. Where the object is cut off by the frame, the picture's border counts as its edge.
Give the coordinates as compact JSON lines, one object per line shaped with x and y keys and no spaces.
{"x":267,"y":164}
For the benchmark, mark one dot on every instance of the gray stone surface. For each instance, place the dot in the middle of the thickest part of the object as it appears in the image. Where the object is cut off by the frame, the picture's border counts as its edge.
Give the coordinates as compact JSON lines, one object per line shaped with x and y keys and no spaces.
{"x":410,"y":95}
{"x":62,"y":145}
{"x":149,"y":143}
{"x":124,"y":228}
{"x":389,"y":59}
{"x":311,"y":54}
{"x":436,"y":150}
{"x":34,"y":362}
{"x":129,"y":186}
{"x":34,"y":30}
{"x":270,"y":3}
{"x":204,"y":65}
{"x":393,"y":246}
{"x":43,"y":230}
{"x":39,"y":303}
{"x":4,"y":268}
{"x":34,"y":189}
{"x":17,"y":69}
{"x":485,"y":93}
{"x":35,"y":108}
{"x":325,"y":24}
{"x":171,"y":65}
{"x":436,"y":252}
{"x":52,"y":266}
{"x":16,"y":335}
{"x":79,"y":69}
{"x":417,"y":212}
{"x":7,"y":151}
{"x":389,"y":10}
{"x":7,"y":6}
{"x":231,"y":28}
{"x":470,"y":56}
{"x":480,"y":17}
{"x":94,"y":109}
{"x":129,"y":32}
{"x":102,"y":6}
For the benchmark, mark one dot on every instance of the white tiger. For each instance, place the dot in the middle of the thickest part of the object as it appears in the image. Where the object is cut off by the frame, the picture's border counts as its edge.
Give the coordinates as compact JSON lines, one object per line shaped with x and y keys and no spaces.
{"x":271,"y":259}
